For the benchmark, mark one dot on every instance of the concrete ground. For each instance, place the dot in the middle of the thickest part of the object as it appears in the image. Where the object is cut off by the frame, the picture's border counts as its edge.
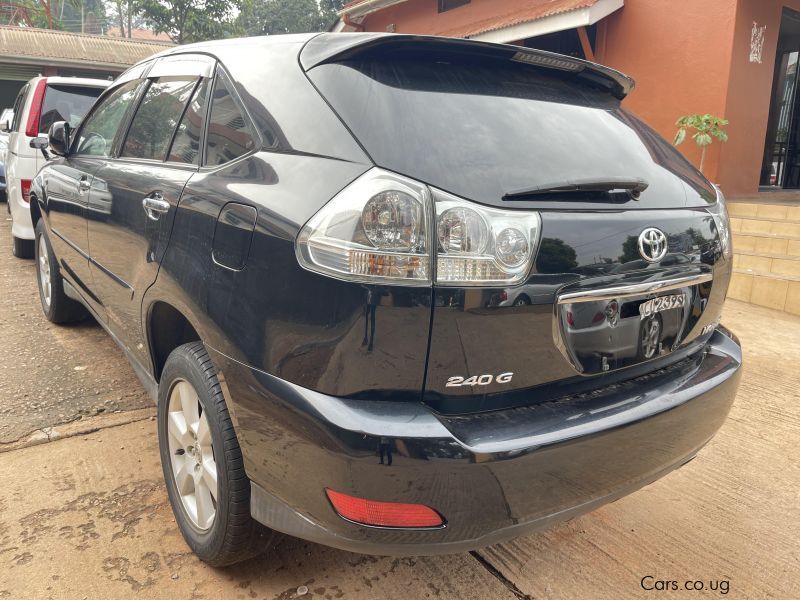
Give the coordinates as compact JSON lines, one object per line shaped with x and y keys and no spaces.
{"x":83,"y":511}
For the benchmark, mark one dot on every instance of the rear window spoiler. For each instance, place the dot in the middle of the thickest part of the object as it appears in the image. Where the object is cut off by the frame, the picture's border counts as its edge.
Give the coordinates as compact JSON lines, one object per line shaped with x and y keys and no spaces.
{"x":335,"y":47}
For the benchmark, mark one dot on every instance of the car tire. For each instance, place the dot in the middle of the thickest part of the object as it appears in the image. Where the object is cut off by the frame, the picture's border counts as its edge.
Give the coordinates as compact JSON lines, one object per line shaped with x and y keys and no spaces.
{"x":189,"y":383}
{"x":522,"y":300}
{"x":56,"y":305}
{"x":22,"y":248}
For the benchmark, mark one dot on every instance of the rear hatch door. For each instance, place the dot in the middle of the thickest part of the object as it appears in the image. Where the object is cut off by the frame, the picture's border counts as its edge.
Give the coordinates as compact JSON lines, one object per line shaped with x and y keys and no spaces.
{"x":629,"y":273}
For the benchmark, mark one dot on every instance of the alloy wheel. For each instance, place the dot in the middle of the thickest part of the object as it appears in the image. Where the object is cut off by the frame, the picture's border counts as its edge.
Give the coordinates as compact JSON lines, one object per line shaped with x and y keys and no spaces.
{"x":44,"y":272}
{"x":651,"y":336}
{"x":194,"y":468}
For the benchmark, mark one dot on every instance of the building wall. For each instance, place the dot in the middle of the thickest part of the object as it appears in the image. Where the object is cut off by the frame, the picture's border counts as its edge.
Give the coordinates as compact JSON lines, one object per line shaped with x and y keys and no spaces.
{"x":686,"y":57}
{"x":680,"y":59}
{"x":748,"y":95}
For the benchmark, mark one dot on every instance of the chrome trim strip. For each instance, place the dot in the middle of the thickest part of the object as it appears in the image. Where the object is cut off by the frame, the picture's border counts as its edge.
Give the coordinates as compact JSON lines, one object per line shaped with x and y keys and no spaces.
{"x":636,"y":289}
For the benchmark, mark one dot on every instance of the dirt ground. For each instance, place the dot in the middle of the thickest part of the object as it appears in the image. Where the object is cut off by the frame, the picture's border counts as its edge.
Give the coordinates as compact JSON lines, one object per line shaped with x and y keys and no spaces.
{"x":86,"y":515}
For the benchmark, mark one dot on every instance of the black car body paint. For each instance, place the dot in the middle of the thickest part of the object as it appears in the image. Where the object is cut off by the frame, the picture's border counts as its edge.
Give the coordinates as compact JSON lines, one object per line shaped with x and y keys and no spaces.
{"x":325,"y":376}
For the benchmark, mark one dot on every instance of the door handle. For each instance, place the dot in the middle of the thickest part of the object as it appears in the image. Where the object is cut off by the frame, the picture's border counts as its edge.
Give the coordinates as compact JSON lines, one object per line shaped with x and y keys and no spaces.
{"x":154,"y":206}
{"x":83,"y":184}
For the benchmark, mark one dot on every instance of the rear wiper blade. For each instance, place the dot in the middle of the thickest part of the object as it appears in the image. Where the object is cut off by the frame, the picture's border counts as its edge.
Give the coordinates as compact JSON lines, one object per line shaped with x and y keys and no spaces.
{"x":634,"y":186}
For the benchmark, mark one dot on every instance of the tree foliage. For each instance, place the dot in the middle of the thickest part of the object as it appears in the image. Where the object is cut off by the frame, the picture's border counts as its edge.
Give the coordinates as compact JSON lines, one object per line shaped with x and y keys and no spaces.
{"x":556,"y":257}
{"x":271,"y":17}
{"x":706,"y":127}
{"x":187,"y":21}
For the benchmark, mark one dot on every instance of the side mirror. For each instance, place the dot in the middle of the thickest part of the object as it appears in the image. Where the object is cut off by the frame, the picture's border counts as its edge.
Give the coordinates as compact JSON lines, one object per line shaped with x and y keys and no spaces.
{"x":58,"y":138}
{"x":5,"y":126}
{"x":39,"y":142}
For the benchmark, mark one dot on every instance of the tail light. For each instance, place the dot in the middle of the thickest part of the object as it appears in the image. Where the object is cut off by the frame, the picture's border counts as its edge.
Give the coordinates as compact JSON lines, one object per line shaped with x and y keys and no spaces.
{"x":383,"y":514}
{"x":600,"y":316}
{"x":570,"y":319}
{"x":35,"y":113}
{"x":25,"y":188}
{"x":385,"y":228}
{"x":720,"y":213}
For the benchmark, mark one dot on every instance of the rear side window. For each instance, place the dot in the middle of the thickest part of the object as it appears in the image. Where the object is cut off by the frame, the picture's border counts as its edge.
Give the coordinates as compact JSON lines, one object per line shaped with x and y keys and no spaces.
{"x":96,"y":136}
{"x":68,"y":103}
{"x":229,"y":136}
{"x":186,"y":145}
{"x":157,"y":118}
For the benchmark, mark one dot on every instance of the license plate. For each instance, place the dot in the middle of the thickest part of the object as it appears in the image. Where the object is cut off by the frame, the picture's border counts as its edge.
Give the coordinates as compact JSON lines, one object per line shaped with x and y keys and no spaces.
{"x":660,"y":304}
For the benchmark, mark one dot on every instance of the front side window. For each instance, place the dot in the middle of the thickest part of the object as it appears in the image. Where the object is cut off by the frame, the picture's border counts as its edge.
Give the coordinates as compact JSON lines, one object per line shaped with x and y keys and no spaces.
{"x":96,"y":137}
{"x":229,"y":136}
{"x":66,"y":103}
{"x":186,"y":145}
{"x":157,"y":118}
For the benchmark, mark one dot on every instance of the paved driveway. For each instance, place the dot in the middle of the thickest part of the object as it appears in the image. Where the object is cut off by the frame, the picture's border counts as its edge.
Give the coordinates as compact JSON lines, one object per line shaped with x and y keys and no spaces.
{"x":86,"y":516}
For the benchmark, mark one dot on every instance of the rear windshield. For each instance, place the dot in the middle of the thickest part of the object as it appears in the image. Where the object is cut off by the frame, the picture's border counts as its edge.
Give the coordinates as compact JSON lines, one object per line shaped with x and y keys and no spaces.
{"x":66,"y":103}
{"x":482,"y":128}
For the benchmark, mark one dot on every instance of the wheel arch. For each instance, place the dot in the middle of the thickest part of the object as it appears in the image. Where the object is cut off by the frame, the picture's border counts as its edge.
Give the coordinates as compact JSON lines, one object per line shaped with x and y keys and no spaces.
{"x":36,"y":211}
{"x":167,"y":328}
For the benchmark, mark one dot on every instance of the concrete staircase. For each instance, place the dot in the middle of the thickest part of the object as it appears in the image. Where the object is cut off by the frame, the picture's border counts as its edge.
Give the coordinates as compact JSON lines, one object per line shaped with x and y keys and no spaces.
{"x":766,"y":262}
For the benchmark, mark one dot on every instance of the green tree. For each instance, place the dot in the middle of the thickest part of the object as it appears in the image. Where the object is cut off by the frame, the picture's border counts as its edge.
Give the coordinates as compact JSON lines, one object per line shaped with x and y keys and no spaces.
{"x":556,"y":257}
{"x":328,"y":10}
{"x":125,"y":14}
{"x":706,"y":127}
{"x":271,"y":17}
{"x":630,"y":249}
{"x":187,"y":21}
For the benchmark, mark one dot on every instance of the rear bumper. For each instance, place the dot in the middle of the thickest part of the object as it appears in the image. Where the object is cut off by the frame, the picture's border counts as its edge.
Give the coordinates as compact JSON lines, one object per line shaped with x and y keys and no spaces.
{"x":493,"y":476}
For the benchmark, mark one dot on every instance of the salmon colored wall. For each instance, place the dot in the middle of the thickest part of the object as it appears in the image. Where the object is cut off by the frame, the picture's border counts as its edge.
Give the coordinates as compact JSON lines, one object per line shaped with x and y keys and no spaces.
{"x":686,"y":57}
{"x":680,"y":59}
{"x":748,"y":97}
{"x":422,"y":16}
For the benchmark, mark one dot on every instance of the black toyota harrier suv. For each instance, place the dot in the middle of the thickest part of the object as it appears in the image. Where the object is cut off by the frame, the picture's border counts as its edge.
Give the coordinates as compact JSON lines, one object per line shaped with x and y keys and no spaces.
{"x":303,"y":244}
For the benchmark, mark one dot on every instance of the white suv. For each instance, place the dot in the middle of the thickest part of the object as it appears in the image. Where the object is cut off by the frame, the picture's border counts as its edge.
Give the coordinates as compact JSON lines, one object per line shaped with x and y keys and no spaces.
{"x":41,"y":102}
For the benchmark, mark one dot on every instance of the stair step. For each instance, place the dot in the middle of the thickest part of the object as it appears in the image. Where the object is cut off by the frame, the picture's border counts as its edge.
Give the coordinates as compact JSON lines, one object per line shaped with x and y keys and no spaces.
{"x":761,"y":210}
{"x":777,"y":255}
{"x":786,"y":266}
{"x":775,"y":219}
{"x":766,"y":244}
{"x":780,"y":228}
{"x":779,"y":292}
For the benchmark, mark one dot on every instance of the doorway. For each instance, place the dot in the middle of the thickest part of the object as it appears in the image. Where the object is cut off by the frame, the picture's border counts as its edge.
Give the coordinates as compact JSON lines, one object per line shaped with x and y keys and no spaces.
{"x":780,"y":169}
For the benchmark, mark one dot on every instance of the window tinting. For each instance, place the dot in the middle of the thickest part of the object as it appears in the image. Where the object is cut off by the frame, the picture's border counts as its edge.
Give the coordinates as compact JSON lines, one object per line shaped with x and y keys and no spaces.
{"x":449,"y":119}
{"x":157,"y":117}
{"x":99,"y":129}
{"x":186,"y":145}
{"x":68,"y":103}
{"x":228,"y":135}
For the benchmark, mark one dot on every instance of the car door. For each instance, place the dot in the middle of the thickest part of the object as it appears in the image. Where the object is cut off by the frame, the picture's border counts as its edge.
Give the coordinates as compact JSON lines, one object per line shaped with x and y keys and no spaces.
{"x":68,"y":182}
{"x":132,"y":207}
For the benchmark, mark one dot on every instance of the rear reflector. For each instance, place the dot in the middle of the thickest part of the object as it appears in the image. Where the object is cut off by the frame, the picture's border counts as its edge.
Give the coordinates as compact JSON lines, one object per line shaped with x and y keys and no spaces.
{"x":383,"y":514}
{"x":35,"y":114}
{"x":25,"y":188}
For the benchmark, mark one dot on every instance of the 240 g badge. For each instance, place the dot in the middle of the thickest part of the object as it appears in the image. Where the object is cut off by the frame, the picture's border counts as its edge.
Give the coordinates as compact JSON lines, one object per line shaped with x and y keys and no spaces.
{"x":478,"y":380}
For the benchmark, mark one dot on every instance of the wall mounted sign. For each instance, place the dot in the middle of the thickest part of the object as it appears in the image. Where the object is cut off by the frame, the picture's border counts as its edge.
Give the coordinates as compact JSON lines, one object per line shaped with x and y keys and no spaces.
{"x":757,"y":42}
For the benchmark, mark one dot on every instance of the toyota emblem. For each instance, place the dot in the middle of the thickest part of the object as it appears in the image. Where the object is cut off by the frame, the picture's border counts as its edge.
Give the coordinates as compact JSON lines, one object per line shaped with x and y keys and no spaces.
{"x":652,"y":244}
